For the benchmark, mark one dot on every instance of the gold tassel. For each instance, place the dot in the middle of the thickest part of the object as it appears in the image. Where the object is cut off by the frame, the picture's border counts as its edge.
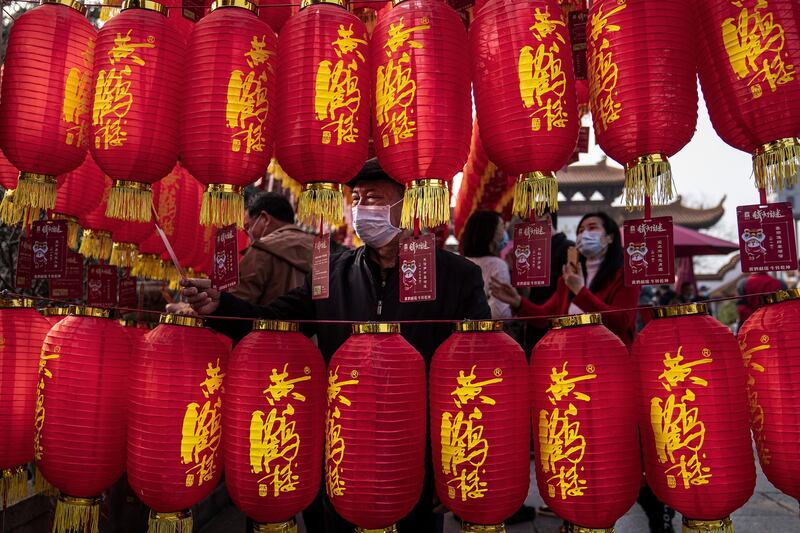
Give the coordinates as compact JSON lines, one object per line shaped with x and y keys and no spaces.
{"x":323,"y":200}
{"x":707,"y":526}
{"x":390,"y":529}
{"x":149,"y":266}
{"x":10,"y":214}
{"x":475,"y":528}
{"x":77,"y":515}
{"x":42,"y":486}
{"x":13,"y":485}
{"x":124,"y":254}
{"x":180,"y":522}
{"x":290,"y":526}
{"x":222,"y":205}
{"x":130,"y":200}
{"x":427,"y":200}
{"x":776,"y":164}
{"x":36,"y":190}
{"x":650,"y":175}
{"x":72,"y":229}
{"x":96,"y":244}
{"x":172,"y":276}
{"x":535,"y":191}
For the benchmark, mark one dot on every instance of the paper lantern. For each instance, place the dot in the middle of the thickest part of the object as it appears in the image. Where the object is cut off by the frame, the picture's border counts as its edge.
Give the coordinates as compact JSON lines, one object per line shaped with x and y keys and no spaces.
{"x":134,"y":330}
{"x":81,"y":193}
{"x":22,"y":331}
{"x":642,"y":116}
{"x":228,"y":110}
{"x":693,"y":416}
{"x":175,"y":419}
{"x":44,"y":114}
{"x":96,"y":240}
{"x":53,"y":315}
{"x":273,"y":424}
{"x":585,"y":423}
{"x":769,"y":347}
{"x":375,"y":427}
{"x":322,"y":105}
{"x":182,"y":22}
{"x":525,"y":95}
{"x":80,"y":413}
{"x":277,"y":12}
{"x":422,"y":116}
{"x":126,"y":237}
{"x":748,"y":58}
{"x":138,"y":76}
{"x":479,"y":423}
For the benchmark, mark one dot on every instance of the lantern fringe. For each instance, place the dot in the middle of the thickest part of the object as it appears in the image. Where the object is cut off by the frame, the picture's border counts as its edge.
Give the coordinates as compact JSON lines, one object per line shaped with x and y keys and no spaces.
{"x":149,"y":266}
{"x":290,"y":526}
{"x":72,"y":229}
{"x":96,"y":245}
{"x":129,"y":203}
{"x":724,"y":525}
{"x":222,"y":208}
{"x":317,"y":203}
{"x":124,"y":254}
{"x":36,"y":190}
{"x":13,"y":485}
{"x":428,"y":201}
{"x":42,"y":486}
{"x":776,"y":165}
{"x":170,"y":522}
{"x":535,"y":191}
{"x":10,"y":214}
{"x":648,"y":176}
{"x":476,"y":528}
{"x":76,"y":515}
{"x":173,"y":277}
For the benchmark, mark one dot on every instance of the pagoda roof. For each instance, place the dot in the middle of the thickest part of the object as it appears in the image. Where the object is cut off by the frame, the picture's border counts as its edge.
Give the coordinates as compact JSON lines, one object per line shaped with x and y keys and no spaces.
{"x":690,"y":217}
{"x":597,"y":174}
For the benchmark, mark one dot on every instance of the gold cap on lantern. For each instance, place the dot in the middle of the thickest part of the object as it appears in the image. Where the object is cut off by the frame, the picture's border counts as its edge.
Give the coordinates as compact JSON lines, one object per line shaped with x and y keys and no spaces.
{"x":290,"y":526}
{"x":55,"y":311}
{"x":782,"y":296}
{"x":477,"y":528}
{"x":144,"y":4}
{"x":181,"y":320}
{"x":724,"y":525}
{"x":390,"y":529}
{"x":86,"y":311}
{"x":244,"y":4}
{"x":479,"y":326}
{"x":376,"y":327}
{"x":74,"y":4}
{"x":673,"y":311}
{"x":573,"y":321}
{"x":276,"y":325}
{"x":175,"y":522}
{"x":306,"y":3}
{"x":572,"y":528}
{"x":16,"y":303}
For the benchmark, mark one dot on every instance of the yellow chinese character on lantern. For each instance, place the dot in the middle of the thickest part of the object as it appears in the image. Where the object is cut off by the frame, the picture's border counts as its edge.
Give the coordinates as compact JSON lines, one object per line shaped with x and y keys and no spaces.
{"x":247,"y":102}
{"x":335,"y":444}
{"x":76,"y":104}
{"x":337,"y":97}
{"x":603,"y":71}
{"x":201,"y":429}
{"x":757,"y":414}
{"x":468,"y":389}
{"x":562,"y":386}
{"x":679,"y":433}
{"x":280,"y":387}
{"x":755,"y":43}
{"x":400,"y":35}
{"x":125,"y":49}
{"x":39,"y":415}
{"x":545,"y":25}
{"x":274,"y":445}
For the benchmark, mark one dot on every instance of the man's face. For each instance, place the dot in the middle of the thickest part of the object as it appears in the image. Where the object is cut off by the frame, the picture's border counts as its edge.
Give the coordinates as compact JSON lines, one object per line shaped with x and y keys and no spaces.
{"x":254,"y":226}
{"x":380,"y":192}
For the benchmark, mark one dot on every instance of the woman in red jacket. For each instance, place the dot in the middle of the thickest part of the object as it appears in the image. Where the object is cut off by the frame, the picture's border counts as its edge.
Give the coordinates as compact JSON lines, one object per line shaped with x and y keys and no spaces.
{"x":594,"y":285}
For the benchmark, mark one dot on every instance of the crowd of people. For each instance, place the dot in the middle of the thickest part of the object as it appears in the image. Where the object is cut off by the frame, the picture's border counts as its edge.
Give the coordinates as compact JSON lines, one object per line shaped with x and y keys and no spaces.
{"x":587,"y":276}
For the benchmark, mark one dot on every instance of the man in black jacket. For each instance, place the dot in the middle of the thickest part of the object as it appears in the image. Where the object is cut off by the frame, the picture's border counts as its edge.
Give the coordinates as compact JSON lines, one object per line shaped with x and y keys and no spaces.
{"x":365,"y":287}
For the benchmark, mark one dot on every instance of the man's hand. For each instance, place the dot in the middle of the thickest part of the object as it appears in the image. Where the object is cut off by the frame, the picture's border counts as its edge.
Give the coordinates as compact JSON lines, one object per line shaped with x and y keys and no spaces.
{"x":199,"y":294}
{"x":180,"y":308}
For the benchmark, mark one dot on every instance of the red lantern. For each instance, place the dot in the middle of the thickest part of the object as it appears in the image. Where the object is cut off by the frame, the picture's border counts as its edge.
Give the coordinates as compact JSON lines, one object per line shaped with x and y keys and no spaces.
{"x":748,"y":59}
{"x":479,"y":422}
{"x":9,"y":214}
{"x":96,"y":241}
{"x":693,"y":416}
{"x":375,"y":427}
{"x":277,"y":12}
{"x":8,"y":173}
{"x":81,"y":193}
{"x":44,"y":115}
{"x":422,"y":119}
{"x":175,"y":419}
{"x":228,"y":110}
{"x":22,"y":331}
{"x":272,"y":427}
{"x":582,"y":96}
{"x":179,"y":20}
{"x":80,"y":413}
{"x":769,"y":347}
{"x":323,"y":105}
{"x":53,"y":315}
{"x":126,"y":236}
{"x":584,"y":421}
{"x":138,"y":76}
{"x":642,"y":116}
{"x":525,"y":95}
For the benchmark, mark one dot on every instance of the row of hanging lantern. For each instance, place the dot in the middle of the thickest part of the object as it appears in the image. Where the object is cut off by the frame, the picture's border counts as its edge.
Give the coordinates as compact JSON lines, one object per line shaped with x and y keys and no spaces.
{"x":688,"y":382}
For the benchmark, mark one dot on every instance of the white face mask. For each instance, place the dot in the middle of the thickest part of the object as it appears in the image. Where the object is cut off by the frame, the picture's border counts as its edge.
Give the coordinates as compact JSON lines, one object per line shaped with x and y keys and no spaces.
{"x":590,"y":243}
{"x":373,"y":224}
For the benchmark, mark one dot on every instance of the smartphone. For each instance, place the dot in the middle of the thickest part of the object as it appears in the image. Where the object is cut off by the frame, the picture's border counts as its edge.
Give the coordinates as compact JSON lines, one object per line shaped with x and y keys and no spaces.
{"x":572,"y":259}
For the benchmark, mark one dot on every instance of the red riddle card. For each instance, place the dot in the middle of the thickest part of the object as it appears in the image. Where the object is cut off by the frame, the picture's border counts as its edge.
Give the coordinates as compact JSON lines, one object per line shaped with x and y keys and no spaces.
{"x":127,"y":297}
{"x":320,"y":267}
{"x":531,"y":255}
{"x":767,"y":237}
{"x":49,"y":247}
{"x":102,"y":283}
{"x":225,"y":273}
{"x":649,"y":252}
{"x":70,"y":287}
{"x":418,"y":269}
{"x":24,"y":271}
